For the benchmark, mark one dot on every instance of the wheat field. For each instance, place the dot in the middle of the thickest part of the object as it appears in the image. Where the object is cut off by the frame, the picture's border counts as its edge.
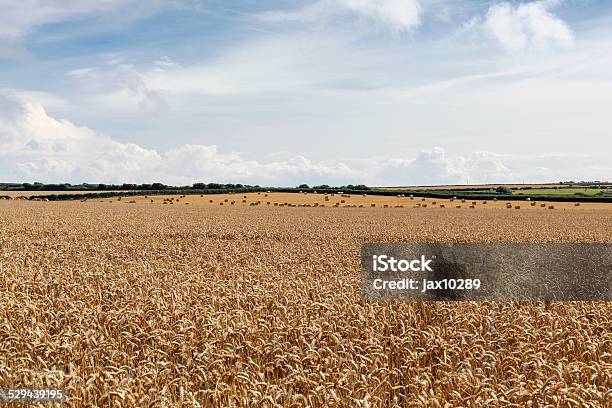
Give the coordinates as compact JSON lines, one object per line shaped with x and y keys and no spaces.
{"x":152,"y":305}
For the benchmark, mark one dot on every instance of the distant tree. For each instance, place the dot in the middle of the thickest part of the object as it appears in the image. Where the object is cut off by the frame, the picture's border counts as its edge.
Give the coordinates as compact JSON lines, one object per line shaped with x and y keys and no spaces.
{"x":503,"y":190}
{"x":303,"y":186}
{"x":56,"y":187}
{"x":322,"y":187}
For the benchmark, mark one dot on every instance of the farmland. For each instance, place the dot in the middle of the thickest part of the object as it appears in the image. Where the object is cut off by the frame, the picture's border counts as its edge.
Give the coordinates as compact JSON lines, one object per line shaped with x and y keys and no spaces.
{"x":472,"y":186}
{"x":550,"y":192}
{"x":344,"y":201}
{"x":564,"y":191}
{"x":201,"y":304}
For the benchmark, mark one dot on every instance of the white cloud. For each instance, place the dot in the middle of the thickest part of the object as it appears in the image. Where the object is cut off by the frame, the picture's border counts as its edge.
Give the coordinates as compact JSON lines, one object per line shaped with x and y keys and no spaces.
{"x":399,"y":15}
{"x":118,"y":86}
{"x":527,"y":25}
{"x":17,"y":18}
{"x":37,"y":147}
{"x":434,"y":167}
{"x":282,"y":64}
{"x":396,"y":15}
{"x":193,"y":162}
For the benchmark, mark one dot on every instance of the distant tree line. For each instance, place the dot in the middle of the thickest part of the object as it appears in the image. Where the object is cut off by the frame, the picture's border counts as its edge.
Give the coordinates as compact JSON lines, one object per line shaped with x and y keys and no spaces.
{"x":117,"y":187}
{"x":154,"y":187}
{"x":327,"y":187}
{"x":79,"y":187}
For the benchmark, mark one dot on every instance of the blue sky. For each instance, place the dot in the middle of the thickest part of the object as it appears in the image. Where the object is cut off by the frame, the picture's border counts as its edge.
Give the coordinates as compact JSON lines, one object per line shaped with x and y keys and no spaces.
{"x":325,"y":91}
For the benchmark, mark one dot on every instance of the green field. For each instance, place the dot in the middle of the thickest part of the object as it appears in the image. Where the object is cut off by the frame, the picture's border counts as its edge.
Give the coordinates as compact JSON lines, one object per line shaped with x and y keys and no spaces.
{"x":568,"y":192}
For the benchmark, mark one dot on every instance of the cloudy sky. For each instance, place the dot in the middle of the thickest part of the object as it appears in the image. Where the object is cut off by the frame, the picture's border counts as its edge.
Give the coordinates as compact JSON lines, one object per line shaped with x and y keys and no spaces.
{"x":279,"y":92}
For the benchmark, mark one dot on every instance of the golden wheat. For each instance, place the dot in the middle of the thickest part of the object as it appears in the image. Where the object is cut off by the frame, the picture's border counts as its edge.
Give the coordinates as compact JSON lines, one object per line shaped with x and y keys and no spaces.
{"x":195,"y":306}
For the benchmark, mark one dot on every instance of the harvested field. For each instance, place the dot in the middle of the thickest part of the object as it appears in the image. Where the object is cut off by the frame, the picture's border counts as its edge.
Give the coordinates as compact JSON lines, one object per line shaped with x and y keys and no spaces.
{"x":142,"y":304}
{"x":15,"y":194}
{"x":341,"y":200}
{"x":472,"y":186}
